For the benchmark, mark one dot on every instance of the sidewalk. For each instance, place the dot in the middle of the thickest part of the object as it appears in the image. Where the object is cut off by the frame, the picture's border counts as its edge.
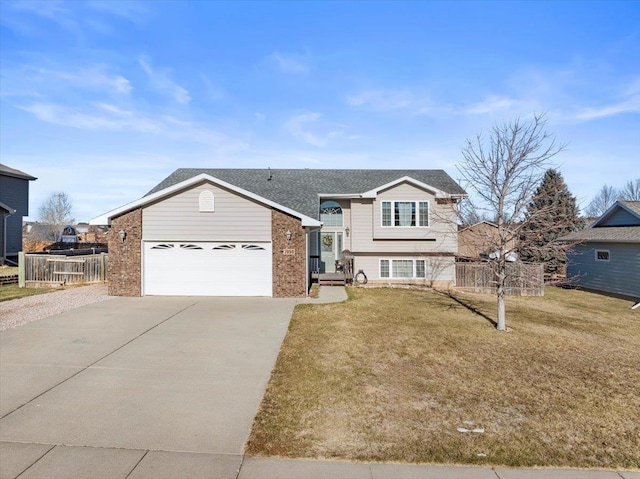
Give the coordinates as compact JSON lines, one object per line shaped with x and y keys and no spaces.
{"x":327,"y":294}
{"x":263,"y":468}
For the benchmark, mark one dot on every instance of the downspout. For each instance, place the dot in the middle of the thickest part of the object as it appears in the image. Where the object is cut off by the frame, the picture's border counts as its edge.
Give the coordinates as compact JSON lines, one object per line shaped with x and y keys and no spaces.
{"x":4,"y":233}
{"x":4,"y":237}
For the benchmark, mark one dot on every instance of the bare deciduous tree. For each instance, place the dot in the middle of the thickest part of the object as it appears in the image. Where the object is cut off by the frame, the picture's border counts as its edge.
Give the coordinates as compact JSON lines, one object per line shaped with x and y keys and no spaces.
{"x":56,"y":213}
{"x":605,"y":198}
{"x":504,"y":170}
{"x":630,"y":191}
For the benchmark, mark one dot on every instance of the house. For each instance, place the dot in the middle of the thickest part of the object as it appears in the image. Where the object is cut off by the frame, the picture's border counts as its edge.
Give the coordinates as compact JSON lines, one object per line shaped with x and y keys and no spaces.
{"x":261,"y":232}
{"x":607,"y":256}
{"x":480,"y":241}
{"x":14,"y":204}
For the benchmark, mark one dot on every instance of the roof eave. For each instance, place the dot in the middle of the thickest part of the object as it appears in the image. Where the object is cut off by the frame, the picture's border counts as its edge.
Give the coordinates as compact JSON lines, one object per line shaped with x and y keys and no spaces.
{"x":105,"y":219}
{"x":437,"y":192}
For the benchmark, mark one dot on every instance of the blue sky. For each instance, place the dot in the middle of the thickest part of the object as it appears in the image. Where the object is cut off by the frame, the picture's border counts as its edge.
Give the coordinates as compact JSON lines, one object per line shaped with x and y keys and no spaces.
{"x":104,"y":99}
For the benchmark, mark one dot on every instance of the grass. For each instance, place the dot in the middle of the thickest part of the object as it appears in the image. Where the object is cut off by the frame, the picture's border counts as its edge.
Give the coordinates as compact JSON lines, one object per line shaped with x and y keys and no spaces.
{"x":390,"y":375}
{"x":8,"y":270}
{"x":13,"y":292}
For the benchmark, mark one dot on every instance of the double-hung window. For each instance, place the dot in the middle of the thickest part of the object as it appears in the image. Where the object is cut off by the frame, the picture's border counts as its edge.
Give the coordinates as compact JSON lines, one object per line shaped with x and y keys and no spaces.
{"x":403,"y":268}
{"x":405,"y":214}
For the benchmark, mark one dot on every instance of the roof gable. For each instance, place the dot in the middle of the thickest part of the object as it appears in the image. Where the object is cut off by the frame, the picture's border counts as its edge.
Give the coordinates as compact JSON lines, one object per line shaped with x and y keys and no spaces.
{"x":622,"y":213}
{"x":299,"y":189}
{"x":186,"y":184}
{"x":295,"y":191}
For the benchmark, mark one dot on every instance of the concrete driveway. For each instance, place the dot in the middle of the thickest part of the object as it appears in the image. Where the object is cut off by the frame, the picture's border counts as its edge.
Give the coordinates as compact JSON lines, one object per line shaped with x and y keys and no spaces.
{"x":137,"y":387}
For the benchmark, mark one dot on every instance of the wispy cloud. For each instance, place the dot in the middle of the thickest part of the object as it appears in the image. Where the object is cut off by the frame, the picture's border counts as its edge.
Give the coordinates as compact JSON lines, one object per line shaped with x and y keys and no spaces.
{"x":77,"y":18}
{"x":628,"y":101}
{"x":161,"y":82}
{"x":492,"y":104}
{"x":311,"y":128}
{"x":134,"y":12}
{"x":290,"y":63}
{"x":299,"y":127}
{"x":385,"y":100}
{"x":108,"y":117}
{"x":33,"y":80}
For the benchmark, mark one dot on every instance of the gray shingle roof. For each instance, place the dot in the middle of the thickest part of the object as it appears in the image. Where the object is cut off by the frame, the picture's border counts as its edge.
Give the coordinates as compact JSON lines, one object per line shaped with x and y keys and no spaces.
{"x":298,"y":189}
{"x":632,"y":205}
{"x":7,"y":171}
{"x":629,"y":234}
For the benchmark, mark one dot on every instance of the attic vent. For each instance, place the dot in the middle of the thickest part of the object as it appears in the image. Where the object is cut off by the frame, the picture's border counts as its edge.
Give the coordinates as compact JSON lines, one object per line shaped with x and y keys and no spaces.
{"x":206,"y":201}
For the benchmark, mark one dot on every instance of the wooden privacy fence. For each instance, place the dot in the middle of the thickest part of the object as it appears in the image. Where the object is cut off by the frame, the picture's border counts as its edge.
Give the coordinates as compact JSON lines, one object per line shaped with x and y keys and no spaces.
{"x":37,"y":269}
{"x":523,"y":279}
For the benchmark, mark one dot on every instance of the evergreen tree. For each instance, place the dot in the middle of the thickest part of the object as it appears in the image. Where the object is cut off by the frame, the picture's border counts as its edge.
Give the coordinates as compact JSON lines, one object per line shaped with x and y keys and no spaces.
{"x":551,"y":214}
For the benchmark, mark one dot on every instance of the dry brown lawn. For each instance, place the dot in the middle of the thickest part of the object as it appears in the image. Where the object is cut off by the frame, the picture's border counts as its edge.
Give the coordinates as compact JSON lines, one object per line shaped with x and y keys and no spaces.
{"x":390,"y":375}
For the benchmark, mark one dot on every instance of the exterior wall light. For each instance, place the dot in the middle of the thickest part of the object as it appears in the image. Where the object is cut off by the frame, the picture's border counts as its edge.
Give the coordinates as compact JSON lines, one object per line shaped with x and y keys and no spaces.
{"x":122,"y":234}
{"x":288,"y":235}
{"x":346,"y":230}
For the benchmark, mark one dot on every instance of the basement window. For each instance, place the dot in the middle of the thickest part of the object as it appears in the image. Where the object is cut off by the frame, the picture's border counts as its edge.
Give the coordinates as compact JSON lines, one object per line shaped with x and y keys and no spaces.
{"x":602,"y":255}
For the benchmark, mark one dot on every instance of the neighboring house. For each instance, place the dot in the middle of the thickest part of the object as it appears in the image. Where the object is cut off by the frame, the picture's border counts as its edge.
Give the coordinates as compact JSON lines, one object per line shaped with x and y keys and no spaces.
{"x":607,"y":257}
{"x":479,"y":241}
{"x":248,"y":232}
{"x":14,"y":204}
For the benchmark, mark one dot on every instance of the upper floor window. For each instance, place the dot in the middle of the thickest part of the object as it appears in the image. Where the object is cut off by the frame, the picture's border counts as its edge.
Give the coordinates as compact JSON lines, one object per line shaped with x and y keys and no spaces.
{"x":206,"y":201}
{"x":405,"y":213}
{"x":331,"y":213}
{"x":602,"y":255}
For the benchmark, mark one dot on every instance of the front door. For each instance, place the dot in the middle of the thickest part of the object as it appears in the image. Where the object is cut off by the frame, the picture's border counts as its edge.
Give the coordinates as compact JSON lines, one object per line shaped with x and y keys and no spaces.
{"x":330,"y":250}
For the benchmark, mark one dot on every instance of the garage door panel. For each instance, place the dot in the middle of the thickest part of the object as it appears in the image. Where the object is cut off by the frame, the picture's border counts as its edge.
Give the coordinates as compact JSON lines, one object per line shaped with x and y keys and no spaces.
{"x":207,"y":269}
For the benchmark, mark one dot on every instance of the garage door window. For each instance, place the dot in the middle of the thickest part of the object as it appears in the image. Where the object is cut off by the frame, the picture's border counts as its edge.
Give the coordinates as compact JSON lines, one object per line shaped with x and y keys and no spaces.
{"x":225,"y":246}
{"x":162,"y":246}
{"x":190,"y":246}
{"x":252,"y":247}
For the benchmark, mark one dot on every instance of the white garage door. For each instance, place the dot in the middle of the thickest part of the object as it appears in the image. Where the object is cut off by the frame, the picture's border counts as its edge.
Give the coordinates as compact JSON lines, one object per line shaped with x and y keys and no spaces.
{"x":207,"y":269}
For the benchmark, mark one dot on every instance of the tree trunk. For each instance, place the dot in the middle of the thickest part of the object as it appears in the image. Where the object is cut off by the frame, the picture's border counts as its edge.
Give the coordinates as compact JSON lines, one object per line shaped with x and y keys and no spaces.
{"x":502,"y":315}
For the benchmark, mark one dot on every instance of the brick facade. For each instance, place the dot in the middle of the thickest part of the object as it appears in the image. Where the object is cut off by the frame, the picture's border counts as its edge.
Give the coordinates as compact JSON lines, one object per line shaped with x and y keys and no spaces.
{"x":125,"y":257}
{"x":289,"y":258}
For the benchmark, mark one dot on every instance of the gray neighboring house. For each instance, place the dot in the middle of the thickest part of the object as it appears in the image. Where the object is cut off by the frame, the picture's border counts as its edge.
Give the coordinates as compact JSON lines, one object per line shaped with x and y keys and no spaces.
{"x":14,"y":205}
{"x":607,"y":257}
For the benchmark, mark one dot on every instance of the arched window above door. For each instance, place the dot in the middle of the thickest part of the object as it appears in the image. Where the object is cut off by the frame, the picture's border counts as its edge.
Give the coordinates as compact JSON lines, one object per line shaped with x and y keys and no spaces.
{"x":331,"y":213}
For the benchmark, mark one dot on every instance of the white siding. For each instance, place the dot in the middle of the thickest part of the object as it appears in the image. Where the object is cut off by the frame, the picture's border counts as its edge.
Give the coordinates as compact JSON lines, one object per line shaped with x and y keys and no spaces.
{"x":178,"y":218}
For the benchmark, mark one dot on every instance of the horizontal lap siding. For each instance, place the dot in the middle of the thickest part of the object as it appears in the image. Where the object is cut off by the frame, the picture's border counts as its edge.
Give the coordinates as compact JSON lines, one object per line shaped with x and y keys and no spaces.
{"x":621,"y":274}
{"x":621,"y":218}
{"x":441,"y":236}
{"x":15,"y":194}
{"x":235,"y":218}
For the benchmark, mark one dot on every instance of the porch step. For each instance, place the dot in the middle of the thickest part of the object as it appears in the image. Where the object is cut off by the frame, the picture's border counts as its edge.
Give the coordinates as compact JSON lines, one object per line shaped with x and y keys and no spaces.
{"x":332,"y":279}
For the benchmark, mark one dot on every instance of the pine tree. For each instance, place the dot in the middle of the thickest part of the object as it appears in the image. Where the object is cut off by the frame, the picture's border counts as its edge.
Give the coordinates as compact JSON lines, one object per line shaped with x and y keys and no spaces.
{"x":552,"y":213}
